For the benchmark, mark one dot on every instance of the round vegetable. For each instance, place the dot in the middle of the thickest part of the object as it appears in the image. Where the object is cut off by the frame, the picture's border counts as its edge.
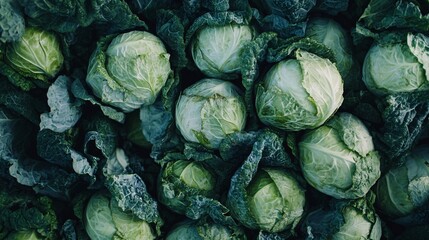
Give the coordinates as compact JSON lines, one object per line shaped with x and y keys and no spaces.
{"x":37,"y":54}
{"x":275,"y":201}
{"x":129,"y":70}
{"x":339,"y":159}
{"x":403,"y":190}
{"x":394,"y":66}
{"x":216,"y":49}
{"x":301,"y":93}
{"x":104,"y":220}
{"x":331,"y":34}
{"x":182,"y":179}
{"x":344,"y":220}
{"x":209,"y":110}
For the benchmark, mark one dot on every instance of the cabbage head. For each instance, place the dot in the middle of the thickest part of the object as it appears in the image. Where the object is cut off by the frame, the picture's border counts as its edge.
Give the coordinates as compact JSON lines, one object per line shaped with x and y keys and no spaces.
{"x":301,"y":93}
{"x":339,"y":158}
{"x":344,"y":220}
{"x":216,"y":49}
{"x":271,"y":200}
{"x":104,"y":220}
{"x":331,"y":34}
{"x":182,"y":179}
{"x":37,"y":54}
{"x":276,"y":200}
{"x":397,"y":65}
{"x":209,"y":110}
{"x":403,"y":191}
{"x":129,"y":70}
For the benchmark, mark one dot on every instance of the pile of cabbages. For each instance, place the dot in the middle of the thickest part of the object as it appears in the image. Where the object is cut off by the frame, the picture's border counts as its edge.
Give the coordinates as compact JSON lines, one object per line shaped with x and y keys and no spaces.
{"x":214,"y":119}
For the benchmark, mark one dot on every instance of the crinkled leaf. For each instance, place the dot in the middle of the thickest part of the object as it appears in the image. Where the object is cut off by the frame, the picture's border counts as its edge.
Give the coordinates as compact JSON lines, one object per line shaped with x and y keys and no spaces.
{"x":383,"y":15}
{"x":294,"y":11}
{"x":172,"y":32}
{"x":73,"y":230}
{"x":280,"y":49}
{"x":332,"y":7}
{"x":79,"y":91}
{"x":12,"y":23}
{"x":117,"y":164}
{"x":267,"y":150}
{"x":130,"y":192}
{"x":55,"y":147}
{"x":15,"y":78}
{"x":65,"y":110}
{"x":223,"y":168}
{"x":21,"y":102}
{"x":273,"y":236}
{"x":283,"y":27}
{"x":44,"y":178}
{"x":252,"y":55}
{"x":404,"y":116}
{"x":68,"y":16}
{"x":16,"y":135}
{"x":157,"y":121}
{"x":202,"y":206}
{"x":21,"y":209}
{"x":149,"y":8}
{"x":238,"y":140}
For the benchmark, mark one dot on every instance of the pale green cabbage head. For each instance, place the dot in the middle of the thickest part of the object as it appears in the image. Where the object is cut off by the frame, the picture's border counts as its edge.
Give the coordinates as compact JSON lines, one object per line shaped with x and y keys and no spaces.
{"x":339,"y":158}
{"x":209,"y":110}
{"x":104,"y":220}
{"x":275,"y":199}
{"x":130,"y":70}
{"x":331,"y":34}
{"x":394,"y":67}
{"x":301,"y":93}
{"x":37,"y":54}
{"x":404,"y":189}
{"x":182,"y":178}
{"x":216,"y":49}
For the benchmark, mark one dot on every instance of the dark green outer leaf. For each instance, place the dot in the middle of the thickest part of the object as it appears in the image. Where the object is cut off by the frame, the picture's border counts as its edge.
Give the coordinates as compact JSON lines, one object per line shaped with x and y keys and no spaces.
{"x":15,"y":78}
{"x":172,"y":32}
{"x":157,"y":121}
{"x":68,"y":16}
{"x":130,"y":192}
{"x":283,"y":27}
{"x":201,"y":206}
{"x":281,"y":49}
{"x":273,"y":236}
{"x":55,"y":147}
{"x":252,"y":55}
{"x":383,"y":15}
{"x":12,"y":23}
{"x":404,"y":116}
{"x":22,"y":210}
{"x":21,"y":102}
{"x":44,"y":178}
{"x":223,"y":168}
{"x":80,"y":92}
{"x":332,"y":7}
